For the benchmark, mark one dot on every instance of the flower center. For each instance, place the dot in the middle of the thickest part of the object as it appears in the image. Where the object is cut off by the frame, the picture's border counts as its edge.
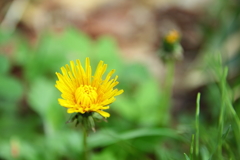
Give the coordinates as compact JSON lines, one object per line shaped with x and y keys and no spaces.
{"x":86,"y":95}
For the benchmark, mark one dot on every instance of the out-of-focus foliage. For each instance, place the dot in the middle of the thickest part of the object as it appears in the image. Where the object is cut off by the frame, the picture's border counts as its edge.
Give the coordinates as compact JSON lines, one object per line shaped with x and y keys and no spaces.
{"x":142,"y":126}
{"x":32,"y":118}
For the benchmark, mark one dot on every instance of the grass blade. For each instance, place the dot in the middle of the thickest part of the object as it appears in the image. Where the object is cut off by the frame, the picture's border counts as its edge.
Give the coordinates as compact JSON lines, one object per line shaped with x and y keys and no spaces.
{"x":197,"y":124}
{"x":186,"y":156}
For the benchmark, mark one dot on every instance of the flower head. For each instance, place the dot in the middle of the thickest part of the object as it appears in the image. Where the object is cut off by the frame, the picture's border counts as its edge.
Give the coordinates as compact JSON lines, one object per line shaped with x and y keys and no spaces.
{"x":172,"y":37}
{"x":171,"y":47}
{"x":83,"y":92}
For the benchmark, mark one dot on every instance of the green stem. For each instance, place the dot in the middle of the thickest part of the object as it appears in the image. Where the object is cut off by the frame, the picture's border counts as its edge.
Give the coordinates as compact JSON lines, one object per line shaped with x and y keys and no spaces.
{"x":166,"y":97}
{"x":85,"y":148}
{"x":169,"y":77}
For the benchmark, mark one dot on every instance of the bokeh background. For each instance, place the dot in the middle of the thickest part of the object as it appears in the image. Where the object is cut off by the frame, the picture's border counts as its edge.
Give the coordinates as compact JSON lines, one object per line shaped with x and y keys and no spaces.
{"x":38,"y":37}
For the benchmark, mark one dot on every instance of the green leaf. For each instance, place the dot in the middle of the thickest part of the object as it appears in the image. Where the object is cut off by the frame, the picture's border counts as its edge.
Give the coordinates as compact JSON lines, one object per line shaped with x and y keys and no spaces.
{"x":108,"y":137}
{"x":4,"y":65}
{"x":75,"y":41}
{"x":224,"y":136}
{"x":41,"y":95}
{"x":22,"y":52}
{"x":147,"y":100}
{"x":107,"y":50}
{"x":11,"y":89}
{"x":4,"y":36}
{"x":186,"y":156}
{"x":42,"y":98}
{"x":106,"y":155}
{"x":55,"y":50}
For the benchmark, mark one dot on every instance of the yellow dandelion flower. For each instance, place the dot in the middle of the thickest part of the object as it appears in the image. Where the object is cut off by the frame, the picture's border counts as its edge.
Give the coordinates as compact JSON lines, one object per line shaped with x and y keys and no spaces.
{"x":83,"y":92}
{"x":172,"y":36}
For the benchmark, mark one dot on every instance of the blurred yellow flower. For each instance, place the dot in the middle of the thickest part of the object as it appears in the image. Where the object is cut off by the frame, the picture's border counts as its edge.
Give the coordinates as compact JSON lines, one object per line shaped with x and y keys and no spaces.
{"x":172,"y":36}
{"x":84,"y":93}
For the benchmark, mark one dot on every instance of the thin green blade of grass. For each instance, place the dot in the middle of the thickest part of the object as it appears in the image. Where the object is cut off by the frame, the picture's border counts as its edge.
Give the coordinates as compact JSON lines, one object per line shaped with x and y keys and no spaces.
{"x":222,"y":116}
{"x":204,"y":153}
{"x":192,"y":148}
{"x":223,"y":137}
{"x":107,"y":137}
{"x":197,"y":124}
{"x":186,"y":156}
{"x":222,"y":78}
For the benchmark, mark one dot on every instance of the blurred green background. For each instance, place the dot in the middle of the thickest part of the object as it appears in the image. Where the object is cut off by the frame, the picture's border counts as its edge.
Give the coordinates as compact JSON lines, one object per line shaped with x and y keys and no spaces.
{"x":155,"y":118}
